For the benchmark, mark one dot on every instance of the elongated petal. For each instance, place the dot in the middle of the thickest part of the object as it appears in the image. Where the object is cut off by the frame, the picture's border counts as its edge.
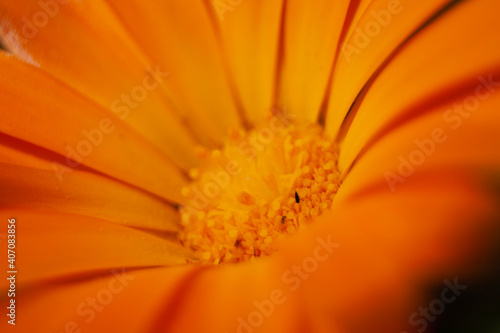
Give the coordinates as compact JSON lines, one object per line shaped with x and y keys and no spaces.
{"x":310,"y":43}
{"x":94,"y":55}
{"x":29,"y":179}
{"x":103,"y":303}
{"x":377,"y":31}
{"x":439,"y":140}
{"x":239,"y":297}
{"x":250,"y":32}
{"x":180,"y":36}
{"x":57,"y":245}
{"x":62,"y":121}
{"x":438,"y":63}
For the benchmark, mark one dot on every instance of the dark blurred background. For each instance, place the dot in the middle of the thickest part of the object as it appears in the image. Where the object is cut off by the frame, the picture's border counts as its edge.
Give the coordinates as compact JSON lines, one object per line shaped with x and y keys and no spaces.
{"x":477,"y":309}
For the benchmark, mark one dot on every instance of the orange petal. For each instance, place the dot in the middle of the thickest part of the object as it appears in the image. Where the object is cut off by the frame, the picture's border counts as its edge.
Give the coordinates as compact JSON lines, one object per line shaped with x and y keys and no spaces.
{"x":30,"y":182}
{"x":424,"y":69}
{"x":239,"y":298}
{"x":64,"y":122}
{"x":310,"y":43}
{"x":117,"y":300}
{"x":179,"y":35}
{"x":440,"y":139}
{"x":377,"y":31}
{"x":97,"y":58}
{"x":250,"y":35}
{"x":54,"y":245}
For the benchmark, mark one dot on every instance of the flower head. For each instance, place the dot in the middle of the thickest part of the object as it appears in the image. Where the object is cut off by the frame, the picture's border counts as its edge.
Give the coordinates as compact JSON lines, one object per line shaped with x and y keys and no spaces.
{"x":333,"y":159}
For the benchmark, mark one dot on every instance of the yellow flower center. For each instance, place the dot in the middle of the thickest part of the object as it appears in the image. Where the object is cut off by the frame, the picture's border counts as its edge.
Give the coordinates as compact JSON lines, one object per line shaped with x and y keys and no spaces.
{"x":263,"y":185}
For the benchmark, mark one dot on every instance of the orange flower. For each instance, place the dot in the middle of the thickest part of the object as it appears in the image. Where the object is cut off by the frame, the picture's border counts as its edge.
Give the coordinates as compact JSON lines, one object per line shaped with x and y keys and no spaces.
{"x":370,"y":130}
